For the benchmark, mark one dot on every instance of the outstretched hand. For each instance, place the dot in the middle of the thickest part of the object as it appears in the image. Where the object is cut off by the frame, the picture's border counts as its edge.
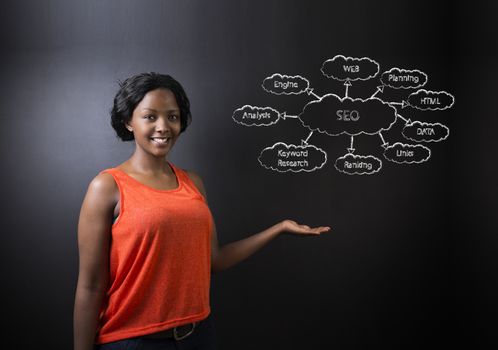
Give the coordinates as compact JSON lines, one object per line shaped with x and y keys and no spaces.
{"x":290,"y":226}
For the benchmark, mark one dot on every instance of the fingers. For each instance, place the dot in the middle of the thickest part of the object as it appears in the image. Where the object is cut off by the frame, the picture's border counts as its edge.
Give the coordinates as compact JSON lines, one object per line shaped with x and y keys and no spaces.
{"x":321,"y":229}
{"x":314,"y":230}
{"x":294,"y":227}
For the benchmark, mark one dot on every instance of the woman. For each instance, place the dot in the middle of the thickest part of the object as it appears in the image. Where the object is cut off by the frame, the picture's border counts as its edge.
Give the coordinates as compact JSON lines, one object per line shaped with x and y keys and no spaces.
{"x":147,"y":240}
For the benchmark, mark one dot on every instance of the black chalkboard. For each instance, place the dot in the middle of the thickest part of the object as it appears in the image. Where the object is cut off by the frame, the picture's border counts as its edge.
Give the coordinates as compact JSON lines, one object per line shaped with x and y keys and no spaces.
{"x":402,"y":170}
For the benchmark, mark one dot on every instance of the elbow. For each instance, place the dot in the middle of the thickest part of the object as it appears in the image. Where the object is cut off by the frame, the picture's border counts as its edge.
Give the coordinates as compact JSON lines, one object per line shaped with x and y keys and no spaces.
{"x":88,"y":297}
{"x":89,"y":289}
{"x":217,"y":264}
{"x":215,"y":268}
{"x":95,"y":283}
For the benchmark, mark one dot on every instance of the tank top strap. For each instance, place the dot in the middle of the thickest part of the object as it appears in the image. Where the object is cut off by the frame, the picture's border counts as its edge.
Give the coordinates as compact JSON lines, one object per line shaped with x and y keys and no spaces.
{"x":116,"y":174}
{"x":122,"y":180}
{"x":189,"y":185}
{"x":108,"y":170}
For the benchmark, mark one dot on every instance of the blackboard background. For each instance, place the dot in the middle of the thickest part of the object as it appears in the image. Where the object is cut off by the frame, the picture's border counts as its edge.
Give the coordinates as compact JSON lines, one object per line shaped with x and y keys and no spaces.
{"x":411,"y":261}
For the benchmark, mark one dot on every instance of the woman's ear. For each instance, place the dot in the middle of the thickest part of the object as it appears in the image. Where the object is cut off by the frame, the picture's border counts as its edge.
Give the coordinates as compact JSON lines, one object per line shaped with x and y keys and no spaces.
{"x":128,"y":126}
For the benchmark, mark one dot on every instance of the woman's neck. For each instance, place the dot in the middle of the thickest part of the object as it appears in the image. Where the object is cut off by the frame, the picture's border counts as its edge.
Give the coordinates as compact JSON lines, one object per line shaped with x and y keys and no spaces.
{"x":147,"y":164}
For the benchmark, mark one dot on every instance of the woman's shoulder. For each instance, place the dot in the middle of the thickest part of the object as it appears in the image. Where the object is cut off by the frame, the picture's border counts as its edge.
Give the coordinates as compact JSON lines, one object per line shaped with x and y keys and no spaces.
{"x":104,"y":185}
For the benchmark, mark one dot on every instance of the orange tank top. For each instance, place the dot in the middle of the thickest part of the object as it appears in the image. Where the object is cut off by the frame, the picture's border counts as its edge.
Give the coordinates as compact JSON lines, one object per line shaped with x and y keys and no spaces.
{"x":160,"y":259}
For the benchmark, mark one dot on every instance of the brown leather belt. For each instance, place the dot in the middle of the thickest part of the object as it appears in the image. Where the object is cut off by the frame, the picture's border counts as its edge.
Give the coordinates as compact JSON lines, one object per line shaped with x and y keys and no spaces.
{"x":179,"y":332}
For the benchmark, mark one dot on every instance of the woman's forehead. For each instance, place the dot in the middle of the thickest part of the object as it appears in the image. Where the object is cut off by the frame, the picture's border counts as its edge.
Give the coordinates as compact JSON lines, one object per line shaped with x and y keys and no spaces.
{"x":159,"y":100}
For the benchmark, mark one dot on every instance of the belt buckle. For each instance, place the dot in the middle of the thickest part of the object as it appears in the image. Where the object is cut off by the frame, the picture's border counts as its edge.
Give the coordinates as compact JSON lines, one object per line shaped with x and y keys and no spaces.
{"x":178,"y":337}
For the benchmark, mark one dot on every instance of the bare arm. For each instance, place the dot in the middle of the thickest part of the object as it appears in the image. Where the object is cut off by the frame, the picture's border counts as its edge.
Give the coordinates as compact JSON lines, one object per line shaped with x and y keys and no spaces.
{"x":93,"y":244}
{"x":231,"y":254}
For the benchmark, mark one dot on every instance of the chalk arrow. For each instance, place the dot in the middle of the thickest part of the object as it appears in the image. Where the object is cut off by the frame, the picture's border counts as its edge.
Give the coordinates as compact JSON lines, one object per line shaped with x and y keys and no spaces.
{"x":305,"y":142}
{"x":310,"y":92}
{"x":347,"y":84}
{"x":351,"y":149}
{"x":402,"y":104}
{"x":384,"y":143}
{"x":380,"y":88}
{"x":284,"y":115}
{"x":407,"y":121}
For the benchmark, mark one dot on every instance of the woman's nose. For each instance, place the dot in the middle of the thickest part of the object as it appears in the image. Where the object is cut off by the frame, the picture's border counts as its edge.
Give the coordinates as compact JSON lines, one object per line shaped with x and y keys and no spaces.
{"x":162,"y":124}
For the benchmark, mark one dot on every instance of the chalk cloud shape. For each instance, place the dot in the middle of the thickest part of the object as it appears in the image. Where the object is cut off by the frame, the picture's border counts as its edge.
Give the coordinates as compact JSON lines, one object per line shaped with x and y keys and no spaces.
{"x":415,"y":78}
{"x":321,"y":115}
{"x":425,"y":132}
{"x":354,"y":164}
{"x":337,"y":68}
{"x":279,"y":84}
{"x":255,"y":116}
{"x":315,"y":157}
{"x":416,"y":100}
{"x":420,"y":153}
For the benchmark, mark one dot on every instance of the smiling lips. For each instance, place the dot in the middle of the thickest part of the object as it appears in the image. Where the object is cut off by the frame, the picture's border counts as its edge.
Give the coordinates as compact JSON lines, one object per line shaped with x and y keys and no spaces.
{"x":161,"y":141}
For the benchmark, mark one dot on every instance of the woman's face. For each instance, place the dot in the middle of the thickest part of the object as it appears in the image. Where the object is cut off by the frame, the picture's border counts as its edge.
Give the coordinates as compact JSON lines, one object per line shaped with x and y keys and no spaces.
{"x":155,"y":122}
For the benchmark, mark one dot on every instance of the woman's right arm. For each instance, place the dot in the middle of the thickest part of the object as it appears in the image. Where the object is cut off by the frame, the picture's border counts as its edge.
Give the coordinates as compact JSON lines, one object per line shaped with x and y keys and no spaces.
{"x":93,"y":244}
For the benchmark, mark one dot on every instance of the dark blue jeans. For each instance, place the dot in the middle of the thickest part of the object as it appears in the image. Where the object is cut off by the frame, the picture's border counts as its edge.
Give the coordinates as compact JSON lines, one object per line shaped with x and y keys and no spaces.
{"x":203,"y":338}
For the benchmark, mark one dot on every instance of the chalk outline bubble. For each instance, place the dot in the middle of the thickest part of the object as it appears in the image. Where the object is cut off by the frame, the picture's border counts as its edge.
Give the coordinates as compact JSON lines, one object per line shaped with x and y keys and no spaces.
{"x":407,"y":146}
{"x":346,"y":59}
{"x":252,"y":109}
{"x":404,"y":71}
{"x":423,"y":124}
{"x":355,"y":156}
{"x":288,"y":147}
{"x":429,"y":93}
{"x":353,"y":100}
{"x":288,"y":77}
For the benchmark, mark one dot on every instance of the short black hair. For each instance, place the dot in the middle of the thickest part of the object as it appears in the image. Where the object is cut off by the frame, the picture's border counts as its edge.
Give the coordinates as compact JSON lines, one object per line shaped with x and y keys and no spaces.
{"x":133,"y":90}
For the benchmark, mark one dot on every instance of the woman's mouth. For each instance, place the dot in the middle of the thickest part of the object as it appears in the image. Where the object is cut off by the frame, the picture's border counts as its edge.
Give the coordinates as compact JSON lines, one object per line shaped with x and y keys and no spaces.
{"x":160,"y":141}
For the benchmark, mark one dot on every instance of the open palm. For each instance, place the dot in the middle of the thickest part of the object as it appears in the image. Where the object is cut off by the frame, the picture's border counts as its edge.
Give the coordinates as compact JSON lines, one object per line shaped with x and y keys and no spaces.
{"x":290,"y":226}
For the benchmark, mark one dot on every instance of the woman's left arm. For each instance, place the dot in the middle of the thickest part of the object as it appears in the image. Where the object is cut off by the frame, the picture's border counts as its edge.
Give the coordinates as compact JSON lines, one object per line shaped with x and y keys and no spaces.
{"x":231,"y":254}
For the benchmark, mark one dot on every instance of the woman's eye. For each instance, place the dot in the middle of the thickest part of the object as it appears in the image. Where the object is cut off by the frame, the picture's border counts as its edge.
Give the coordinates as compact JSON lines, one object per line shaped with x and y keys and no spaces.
{"x":150,"y":117}
{"x":173,"y":116}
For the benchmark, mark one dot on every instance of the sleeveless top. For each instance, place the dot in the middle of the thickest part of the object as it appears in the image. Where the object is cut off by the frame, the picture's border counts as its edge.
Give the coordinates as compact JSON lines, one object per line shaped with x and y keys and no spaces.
{"x":159,"y":259}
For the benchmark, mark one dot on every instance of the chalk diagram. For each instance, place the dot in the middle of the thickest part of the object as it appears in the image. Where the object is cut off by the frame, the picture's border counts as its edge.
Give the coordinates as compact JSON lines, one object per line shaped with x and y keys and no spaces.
{"x":334,"y":115}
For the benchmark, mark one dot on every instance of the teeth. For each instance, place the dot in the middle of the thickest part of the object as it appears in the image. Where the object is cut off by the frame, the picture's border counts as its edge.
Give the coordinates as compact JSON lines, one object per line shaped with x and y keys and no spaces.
{"x":160,"y":139}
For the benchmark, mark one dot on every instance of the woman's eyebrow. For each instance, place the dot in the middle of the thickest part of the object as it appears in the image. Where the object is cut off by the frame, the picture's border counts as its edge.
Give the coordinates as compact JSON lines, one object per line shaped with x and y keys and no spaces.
{"x":169,"y":110}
